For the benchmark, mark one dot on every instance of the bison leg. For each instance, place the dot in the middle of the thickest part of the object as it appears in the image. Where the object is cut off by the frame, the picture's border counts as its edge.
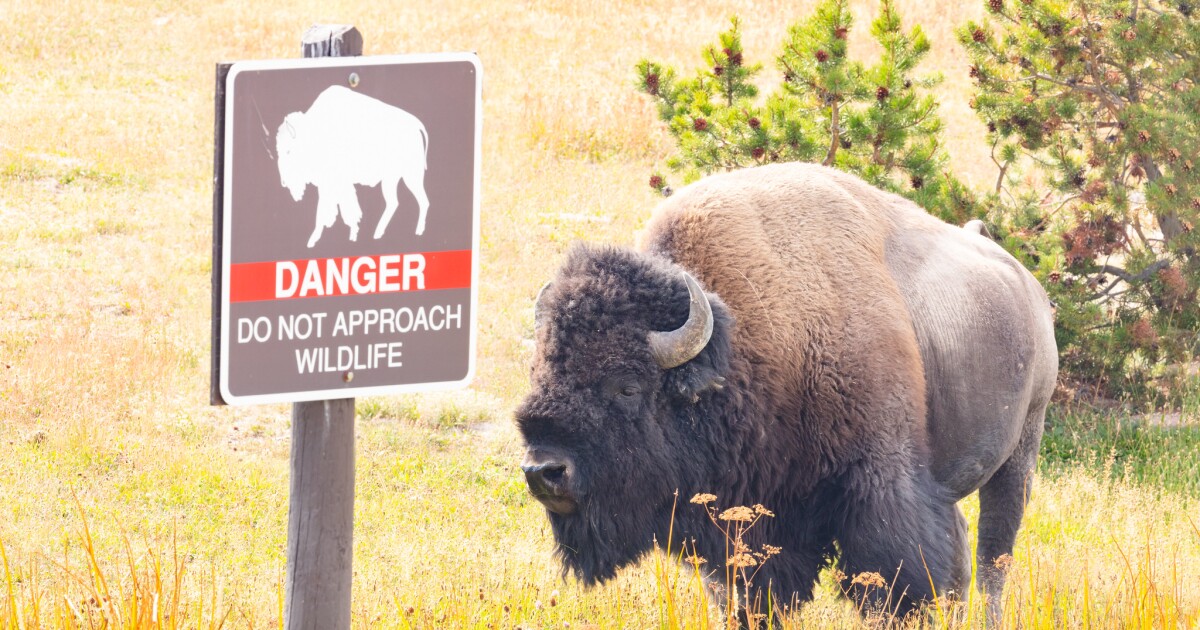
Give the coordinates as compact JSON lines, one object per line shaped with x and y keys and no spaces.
{"x":914,"y":537}
{"x":416,"y":185}
{"x":347,"y":203}
{"x":390,"y":202}
{"x":327,"y":209}
{"x":1002,"y":503}
{"x":415,"y":182}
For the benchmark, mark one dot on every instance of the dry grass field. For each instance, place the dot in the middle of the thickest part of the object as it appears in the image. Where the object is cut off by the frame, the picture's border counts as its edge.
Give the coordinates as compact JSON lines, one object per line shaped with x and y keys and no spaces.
{"x":127,"y":501}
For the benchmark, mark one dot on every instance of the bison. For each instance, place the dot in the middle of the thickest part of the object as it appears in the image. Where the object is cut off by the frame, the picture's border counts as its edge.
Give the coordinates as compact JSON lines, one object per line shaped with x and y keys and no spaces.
{"x":347,"y":138}
{"x":791,"y":336}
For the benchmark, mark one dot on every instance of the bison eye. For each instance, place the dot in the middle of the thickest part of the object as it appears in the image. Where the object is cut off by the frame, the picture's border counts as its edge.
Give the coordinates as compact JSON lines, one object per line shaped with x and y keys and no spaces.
{"x":624,"y":389}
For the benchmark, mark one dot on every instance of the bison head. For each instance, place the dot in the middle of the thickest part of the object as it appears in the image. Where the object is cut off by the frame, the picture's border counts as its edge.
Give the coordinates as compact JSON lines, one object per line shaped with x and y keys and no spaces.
{"x":630,"y":351}
{"x":288,"y":148}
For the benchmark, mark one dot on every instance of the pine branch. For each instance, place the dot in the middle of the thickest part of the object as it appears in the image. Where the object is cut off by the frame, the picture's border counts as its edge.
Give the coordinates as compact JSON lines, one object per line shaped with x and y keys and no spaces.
{"x":1099,"y":92}
{"x":1138,"y":278}
{"x":1003,"y":167}
{"x":834,"y":133}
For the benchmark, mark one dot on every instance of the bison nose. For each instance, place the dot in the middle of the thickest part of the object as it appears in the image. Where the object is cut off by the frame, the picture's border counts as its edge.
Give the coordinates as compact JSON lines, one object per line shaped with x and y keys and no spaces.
{"x":548,"y":484}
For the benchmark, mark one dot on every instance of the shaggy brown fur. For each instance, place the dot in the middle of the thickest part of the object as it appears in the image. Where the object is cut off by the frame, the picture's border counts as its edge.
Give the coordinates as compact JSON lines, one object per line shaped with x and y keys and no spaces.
{"x":869,"y":366}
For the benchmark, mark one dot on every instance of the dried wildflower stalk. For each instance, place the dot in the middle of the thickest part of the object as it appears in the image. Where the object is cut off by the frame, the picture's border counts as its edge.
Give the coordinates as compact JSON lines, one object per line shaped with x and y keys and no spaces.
{"x":742,"y":562}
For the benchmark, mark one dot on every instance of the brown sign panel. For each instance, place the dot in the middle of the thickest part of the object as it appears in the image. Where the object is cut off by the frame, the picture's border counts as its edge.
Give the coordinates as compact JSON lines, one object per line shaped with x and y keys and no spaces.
{"x":349,"y":226}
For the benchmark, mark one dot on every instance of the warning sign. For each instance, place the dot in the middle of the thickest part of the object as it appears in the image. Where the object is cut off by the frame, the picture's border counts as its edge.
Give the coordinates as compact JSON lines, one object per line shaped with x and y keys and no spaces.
{"x":349,"y":214}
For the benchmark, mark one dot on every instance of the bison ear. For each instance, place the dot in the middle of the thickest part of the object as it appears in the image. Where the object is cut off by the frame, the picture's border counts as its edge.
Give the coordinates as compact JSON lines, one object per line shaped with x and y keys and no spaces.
{"x":692,"y":380}
{"x":290,"y":123}
{"x":706,"y":371}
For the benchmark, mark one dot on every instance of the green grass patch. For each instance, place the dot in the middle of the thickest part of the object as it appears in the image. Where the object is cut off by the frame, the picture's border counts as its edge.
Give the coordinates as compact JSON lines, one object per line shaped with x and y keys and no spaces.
{"x":1116,"y":446}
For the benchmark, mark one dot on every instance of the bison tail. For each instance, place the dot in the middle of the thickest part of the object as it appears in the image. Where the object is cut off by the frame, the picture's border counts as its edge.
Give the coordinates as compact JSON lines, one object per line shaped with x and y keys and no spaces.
{"x":425,"y":141}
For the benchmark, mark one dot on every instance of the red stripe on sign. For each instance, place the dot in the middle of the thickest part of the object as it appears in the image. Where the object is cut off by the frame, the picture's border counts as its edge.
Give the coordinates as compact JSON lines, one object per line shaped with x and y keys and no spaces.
{"x":352,"y":275}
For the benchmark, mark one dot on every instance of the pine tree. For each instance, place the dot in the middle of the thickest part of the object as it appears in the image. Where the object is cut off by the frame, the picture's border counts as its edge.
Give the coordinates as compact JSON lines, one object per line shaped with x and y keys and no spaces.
{"x":1100,"y":99}
{"x":879,"y":121}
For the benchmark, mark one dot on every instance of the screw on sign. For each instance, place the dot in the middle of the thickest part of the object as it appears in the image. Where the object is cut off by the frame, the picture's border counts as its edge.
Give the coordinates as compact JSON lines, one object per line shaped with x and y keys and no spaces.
{"x":304,"y":310}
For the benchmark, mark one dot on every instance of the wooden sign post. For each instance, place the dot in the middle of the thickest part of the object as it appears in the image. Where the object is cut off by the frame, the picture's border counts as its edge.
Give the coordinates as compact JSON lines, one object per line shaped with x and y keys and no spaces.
{"x":320,"y":542}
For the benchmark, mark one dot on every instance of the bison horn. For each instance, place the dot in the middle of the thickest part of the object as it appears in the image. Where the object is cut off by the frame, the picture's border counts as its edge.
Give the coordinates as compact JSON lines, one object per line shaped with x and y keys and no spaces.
{"x":676,"y":347}
{"x":540,"y":312}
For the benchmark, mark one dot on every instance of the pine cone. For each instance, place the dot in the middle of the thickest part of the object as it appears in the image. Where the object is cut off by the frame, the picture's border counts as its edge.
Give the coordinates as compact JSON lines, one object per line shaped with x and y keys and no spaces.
{"x":699,"y":124}
{"x":656,"y":182}
{"x":1172,"y":155}
{"x":881,"y":93}
{"x":757,"y":153}
{"x":1175,"y":285}
{"x":979,"y":36}
{"x":1143,"y":136}
{"x":1129,"y":35}
{"x":822,"y":56}
{"x":917,"y":182}
{"x":840,"y":32}
{"x":1094,"y":190}
{"x":754,"y":123}
{"x":652,"y":84}
{"x":718,"y":70}
{"x":1143,"y":334}
{"x":996,"y":6}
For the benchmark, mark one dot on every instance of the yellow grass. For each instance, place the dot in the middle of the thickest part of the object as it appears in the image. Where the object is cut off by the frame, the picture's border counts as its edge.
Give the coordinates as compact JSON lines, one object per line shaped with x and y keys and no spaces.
{"x":117,"y":479}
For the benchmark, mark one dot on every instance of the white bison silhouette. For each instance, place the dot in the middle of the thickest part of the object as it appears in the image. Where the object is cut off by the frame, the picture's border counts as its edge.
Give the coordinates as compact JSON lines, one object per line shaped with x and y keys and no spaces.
{"x":347,"y":138}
